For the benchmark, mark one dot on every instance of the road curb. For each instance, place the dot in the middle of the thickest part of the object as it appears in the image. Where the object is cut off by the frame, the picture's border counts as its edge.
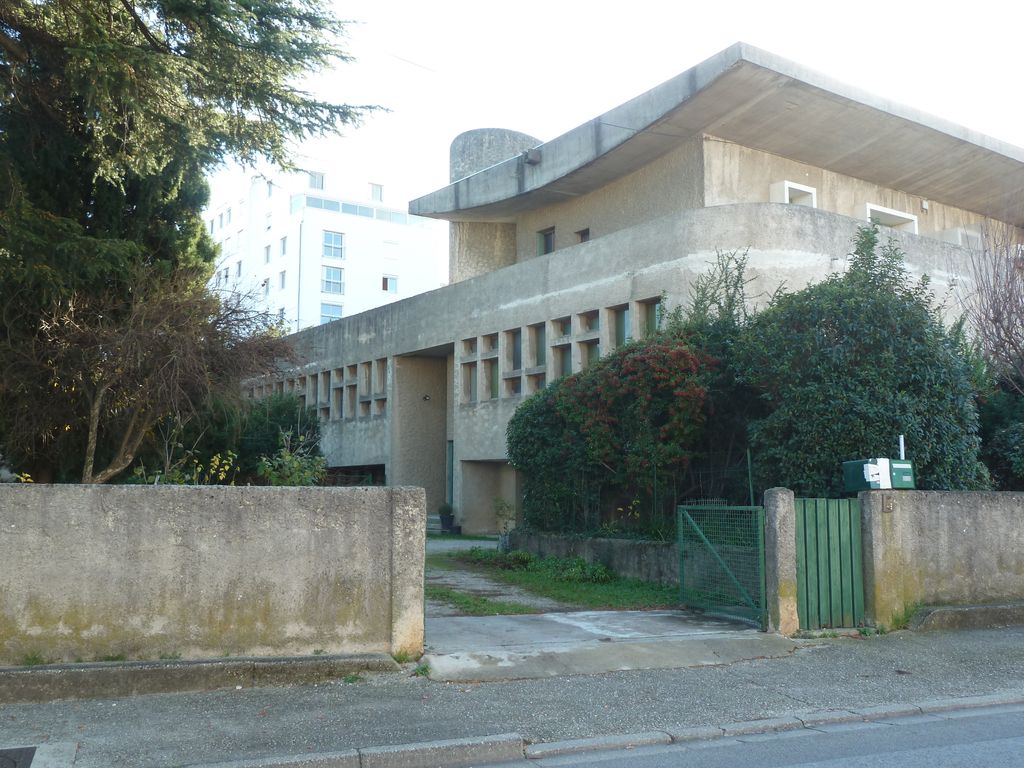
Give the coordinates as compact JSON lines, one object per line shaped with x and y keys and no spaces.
{"x":52,"y":682}
{"x":596,"y":744}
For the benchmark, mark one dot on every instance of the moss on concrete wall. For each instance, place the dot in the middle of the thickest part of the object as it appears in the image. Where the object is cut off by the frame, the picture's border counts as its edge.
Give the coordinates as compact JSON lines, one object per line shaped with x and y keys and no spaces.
{"x":143,"y":572}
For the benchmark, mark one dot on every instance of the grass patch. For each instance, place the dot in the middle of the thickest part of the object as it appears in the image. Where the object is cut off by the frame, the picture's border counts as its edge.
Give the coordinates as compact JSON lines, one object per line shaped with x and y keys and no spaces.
{"x":568,"y":580}
{"x":423,"y":670}
{"x":459,"y":537}
{"x":404,"y":657}
{"x":474,"y":605}
{"x":113,"y":657}
{"x":32,"y":659}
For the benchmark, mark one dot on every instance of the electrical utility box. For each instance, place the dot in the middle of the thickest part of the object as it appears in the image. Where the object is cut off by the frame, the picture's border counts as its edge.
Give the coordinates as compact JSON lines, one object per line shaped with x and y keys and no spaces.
{"x":878,"y":474}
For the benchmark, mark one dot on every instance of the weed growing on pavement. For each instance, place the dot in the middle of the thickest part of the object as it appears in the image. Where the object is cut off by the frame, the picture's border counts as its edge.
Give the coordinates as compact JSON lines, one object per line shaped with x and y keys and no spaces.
{"x":423,"y":670}
{"x":404,"y":657}
{"x":353,"y":678}
{"x":173,"y":656}
{"x":113,"y":657}
{"x":32,"y":659}
{"x":319,"y":651}
{"x":902,"y":619}
{"x":474,"y":605}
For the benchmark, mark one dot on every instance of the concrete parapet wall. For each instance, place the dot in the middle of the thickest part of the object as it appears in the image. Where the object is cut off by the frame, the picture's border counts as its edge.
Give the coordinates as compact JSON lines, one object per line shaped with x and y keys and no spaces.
{"x":938,"y":547}
{"x":205,"y":571}
{"x":630,"y":558}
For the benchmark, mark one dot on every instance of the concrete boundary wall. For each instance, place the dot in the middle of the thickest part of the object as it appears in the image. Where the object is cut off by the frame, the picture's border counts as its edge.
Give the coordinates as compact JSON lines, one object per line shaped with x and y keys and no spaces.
{"x":631,"y":558}
{"x":934,"y":548}
{"x":206,"y":571}
{"x":940,"y":548}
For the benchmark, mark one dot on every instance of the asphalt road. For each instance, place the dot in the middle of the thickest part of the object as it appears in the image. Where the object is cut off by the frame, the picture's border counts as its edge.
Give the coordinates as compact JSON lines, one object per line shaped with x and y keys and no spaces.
{"x":969,"y":738}
{"x":158,"y":731}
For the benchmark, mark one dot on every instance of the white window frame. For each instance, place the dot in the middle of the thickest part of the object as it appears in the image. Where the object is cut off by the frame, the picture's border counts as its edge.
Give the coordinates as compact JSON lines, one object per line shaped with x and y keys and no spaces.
{"x":389,"y":283}
{"x":792,"y":193}
{"x":890,"y":217}
{"x":327,"y":284}
{"x":333,"y":250}
{"x":326,"y":318}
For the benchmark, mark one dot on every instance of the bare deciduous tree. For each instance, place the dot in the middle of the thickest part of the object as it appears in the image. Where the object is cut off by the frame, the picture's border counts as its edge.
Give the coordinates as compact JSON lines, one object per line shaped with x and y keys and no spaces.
{"x":995,"y":307}
{"x":124,"y":362}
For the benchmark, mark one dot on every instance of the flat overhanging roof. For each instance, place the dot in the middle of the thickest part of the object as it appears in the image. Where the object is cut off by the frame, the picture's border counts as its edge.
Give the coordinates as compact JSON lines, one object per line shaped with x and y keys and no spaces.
{"x":759,"y":100}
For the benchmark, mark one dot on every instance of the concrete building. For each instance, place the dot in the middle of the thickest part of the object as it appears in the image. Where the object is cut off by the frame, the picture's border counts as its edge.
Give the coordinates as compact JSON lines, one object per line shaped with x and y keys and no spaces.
{"x":313,"y":246}
{"x":560,"y":251}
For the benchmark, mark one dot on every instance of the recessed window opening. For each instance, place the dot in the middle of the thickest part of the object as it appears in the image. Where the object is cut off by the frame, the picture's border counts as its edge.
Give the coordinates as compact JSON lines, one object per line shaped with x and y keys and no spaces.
{"x":546,"y":240}
{"x":792,"y":193}
{"x":888,"y":217}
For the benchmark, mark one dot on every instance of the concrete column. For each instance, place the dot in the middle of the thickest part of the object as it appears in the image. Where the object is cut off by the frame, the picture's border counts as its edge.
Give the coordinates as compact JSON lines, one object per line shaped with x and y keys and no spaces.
{"x":885,"y":593}
{"x":408,"y":535}
{"x":780,"y":560}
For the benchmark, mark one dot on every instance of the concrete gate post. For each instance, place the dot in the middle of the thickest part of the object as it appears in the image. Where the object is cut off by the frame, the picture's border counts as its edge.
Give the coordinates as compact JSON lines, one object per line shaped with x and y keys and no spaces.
{"x":780,"y":560}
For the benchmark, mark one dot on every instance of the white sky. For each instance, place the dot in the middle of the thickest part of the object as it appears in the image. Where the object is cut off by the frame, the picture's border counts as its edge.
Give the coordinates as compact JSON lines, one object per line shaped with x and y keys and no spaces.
{"x":447,"y":66}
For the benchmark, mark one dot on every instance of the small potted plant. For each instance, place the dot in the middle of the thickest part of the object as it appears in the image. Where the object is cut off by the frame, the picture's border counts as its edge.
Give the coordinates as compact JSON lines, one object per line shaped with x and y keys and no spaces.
{"x":447,"y":514}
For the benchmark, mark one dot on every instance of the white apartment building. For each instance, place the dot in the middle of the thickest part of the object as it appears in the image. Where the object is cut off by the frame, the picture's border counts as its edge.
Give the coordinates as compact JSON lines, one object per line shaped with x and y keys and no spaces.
{"x":313,"y":246}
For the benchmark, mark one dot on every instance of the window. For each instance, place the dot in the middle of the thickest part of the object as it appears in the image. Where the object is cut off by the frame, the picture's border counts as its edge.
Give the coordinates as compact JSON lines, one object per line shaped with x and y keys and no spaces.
{"x":332,"y":280}
{"x":211,"y":226}
{"x":229,"y":215}
{"x":266,"y":254}
{"x":651,"y":316}
{"x":316,"y":180}
{"x":284,"y":245}
{"x":280,"y":315}
{"x":329,"y":312}
{"x":623,"y":327}
{"x":546,"y":240}
{"x":238,"y":269}
{"x":281,"y":278}
{"x":538,"y":338}
{"x":220,"y":221}
{"x":792,"y":193}
{"x":583,"y":235}
{"x":469,"y":386}
{"x":377,"y":192}
{"x":266,"y":286}
{"x":389,"y":284}
{"x":514,"y":340}
{"x":269,"y":220}
{"x":887,"y":217}
{"x":334,"y":245}
{"x":491,"y":378}
{"x":590,"y":321}
{"x":270,"y":188}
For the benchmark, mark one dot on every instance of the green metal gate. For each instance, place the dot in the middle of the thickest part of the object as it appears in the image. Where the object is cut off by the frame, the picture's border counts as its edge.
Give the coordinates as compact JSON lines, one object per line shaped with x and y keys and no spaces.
{"x":829,"y":564}
{"x":721,"y":561}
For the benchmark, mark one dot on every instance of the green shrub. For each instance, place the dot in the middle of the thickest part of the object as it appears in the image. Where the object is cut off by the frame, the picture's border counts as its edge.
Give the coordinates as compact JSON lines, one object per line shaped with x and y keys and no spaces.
{"x":847,"y":365}
{"x":615,"y":435}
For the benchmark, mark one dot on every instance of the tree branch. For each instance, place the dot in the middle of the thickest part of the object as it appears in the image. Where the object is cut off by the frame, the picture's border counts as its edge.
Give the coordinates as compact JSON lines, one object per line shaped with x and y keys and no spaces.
{"x":144,"y":29}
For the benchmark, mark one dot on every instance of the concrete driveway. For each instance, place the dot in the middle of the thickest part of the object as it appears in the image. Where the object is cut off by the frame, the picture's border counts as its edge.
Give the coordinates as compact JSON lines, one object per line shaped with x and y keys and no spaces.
{"x":555,"y":641}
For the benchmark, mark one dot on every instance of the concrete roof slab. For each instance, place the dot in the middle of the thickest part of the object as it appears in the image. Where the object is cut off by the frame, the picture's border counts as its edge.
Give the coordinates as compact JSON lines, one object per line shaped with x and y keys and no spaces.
{"x":754,"y":98}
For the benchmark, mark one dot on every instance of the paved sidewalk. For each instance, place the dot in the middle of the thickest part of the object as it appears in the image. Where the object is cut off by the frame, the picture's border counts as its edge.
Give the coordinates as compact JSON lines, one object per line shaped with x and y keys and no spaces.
{"x":899,"y":669}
